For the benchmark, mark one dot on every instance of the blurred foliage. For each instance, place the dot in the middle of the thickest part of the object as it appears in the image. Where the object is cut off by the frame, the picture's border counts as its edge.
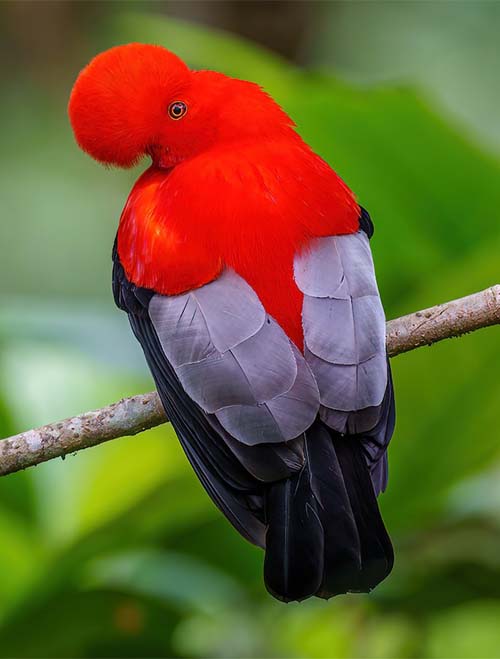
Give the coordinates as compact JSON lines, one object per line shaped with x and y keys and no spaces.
{"x":118,"y":552}
{"x":450,"y":50}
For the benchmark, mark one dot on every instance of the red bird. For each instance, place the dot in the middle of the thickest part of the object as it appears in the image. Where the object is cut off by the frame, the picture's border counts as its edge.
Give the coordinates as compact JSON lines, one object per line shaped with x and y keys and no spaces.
{"x":243,"y":263}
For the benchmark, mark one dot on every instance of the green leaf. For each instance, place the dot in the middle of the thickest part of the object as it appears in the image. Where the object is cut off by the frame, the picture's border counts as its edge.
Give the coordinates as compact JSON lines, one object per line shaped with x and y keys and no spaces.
{"x":178,"y":579}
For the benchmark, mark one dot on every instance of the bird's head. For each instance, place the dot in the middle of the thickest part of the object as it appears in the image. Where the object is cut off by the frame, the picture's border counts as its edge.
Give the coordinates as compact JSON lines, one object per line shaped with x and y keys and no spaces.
{"x":137,"y":100}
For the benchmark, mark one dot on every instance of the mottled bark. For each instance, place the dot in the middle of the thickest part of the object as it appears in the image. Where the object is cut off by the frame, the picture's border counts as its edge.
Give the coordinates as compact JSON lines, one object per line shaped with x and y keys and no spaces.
{"x":133,"y":415}
{"x":125,"y":417}
{"x":444,"y":321}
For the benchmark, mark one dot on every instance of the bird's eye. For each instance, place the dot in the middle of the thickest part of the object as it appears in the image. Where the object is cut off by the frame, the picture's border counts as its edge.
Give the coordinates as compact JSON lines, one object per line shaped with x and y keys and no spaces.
{"x":177,"y":109}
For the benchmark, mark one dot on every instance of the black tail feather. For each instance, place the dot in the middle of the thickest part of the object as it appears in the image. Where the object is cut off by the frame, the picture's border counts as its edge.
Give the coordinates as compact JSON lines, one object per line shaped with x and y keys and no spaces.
{"x":377,"y":556}
{"x":293,"y":567}
{"x":325,"y":533}
{"x":342,"y":559}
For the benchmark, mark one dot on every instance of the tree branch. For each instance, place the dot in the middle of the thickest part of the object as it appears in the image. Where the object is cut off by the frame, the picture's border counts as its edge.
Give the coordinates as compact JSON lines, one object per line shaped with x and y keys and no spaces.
{"x":444,"y":321}
{"x":133,"y":415}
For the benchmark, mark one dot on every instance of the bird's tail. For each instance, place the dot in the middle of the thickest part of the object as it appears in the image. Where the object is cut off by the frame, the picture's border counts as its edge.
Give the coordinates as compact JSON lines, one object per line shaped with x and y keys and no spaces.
{"x":325,"y":534}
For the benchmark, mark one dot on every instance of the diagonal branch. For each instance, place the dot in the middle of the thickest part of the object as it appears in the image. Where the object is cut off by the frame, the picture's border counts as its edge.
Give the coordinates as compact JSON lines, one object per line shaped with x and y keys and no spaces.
{"x":133,"y":415}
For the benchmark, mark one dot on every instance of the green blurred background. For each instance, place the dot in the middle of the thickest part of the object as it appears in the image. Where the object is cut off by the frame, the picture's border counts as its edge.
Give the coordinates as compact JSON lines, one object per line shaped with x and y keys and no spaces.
{"x":118,"y":552}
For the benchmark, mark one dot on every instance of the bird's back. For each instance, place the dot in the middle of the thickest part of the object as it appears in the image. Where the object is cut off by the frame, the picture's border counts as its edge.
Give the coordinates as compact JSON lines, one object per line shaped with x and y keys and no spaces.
{"x":251,"y":208}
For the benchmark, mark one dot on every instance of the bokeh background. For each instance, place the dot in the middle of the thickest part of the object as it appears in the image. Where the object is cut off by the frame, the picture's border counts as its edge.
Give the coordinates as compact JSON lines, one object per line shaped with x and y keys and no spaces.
{"x":117,"y":552}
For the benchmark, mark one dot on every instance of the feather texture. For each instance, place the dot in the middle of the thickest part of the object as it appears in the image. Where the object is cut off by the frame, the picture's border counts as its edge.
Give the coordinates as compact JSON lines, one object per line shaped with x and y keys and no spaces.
{"x":344,"y":341}
{"x":325,"y":535}
{"x":293,"y":566}
{"x":235,"y":361}
{"x":344,"y":323}
{"x":377,"y":556}
{"x":342,"y":547}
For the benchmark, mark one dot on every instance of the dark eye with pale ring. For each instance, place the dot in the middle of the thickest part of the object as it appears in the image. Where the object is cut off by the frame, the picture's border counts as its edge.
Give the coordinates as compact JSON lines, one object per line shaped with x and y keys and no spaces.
{"x":177,"y":109}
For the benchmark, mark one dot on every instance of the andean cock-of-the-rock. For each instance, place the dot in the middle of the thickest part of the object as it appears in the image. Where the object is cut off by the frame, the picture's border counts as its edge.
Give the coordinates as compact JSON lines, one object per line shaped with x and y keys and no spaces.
{"x":244,"y":265}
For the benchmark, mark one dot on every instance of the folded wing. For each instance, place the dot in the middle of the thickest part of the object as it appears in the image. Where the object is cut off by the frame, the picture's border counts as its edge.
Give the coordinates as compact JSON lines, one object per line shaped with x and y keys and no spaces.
{"x":235,"y":361}
{"x":233,"y":473}
{"x":344,"y":342}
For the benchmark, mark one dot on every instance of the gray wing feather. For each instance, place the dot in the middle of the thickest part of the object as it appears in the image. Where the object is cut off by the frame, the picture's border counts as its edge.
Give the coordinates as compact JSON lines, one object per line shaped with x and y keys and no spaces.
{"x":268,"y":362}
{"x":353,"y":424}
{"x":180,"y":323}
{"x":231,"y":309}
{"x":292,"y":410}
{"x":285,"y":416}
{"x":323,"y":274}
{"x":235,"y":361}
{"x":344,"y":329}
{"x":336,"y":266}
{"x":207,"y":320}
{"x":349,"y":387}
{"x":250,"y":424}
{"x":216,"y":381}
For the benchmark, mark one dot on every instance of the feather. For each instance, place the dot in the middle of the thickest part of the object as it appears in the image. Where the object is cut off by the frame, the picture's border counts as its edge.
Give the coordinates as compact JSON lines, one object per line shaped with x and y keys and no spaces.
{"x":236,"y":362}
{"x":379,"y":473}
{"x":349,"y":387}
{"x":293,"y":566}
{"x":344,"y":323}
{"x":224,"y":478}
{"x":280,"y":419}
{"x":342,"y":550}
{"x":344,"y":341}
{"x":376,"y":440}
{"x":344,"y":331}
{"x":373,"y":427}
{"x":377,"y":556}
{"x":213,"y":318}
{"x":337,"y":267}
{"x":330,"y":507}
{"x":344,"y":336}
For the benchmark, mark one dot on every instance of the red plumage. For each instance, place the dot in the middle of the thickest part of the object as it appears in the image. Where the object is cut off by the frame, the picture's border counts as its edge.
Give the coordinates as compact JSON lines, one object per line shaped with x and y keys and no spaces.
{"x":232,"y":183}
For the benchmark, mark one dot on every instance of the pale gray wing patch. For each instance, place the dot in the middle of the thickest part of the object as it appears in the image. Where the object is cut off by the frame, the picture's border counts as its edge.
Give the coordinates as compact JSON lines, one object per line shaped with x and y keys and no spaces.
{"x":216,"y":381}
{"x":344,"y":329}
{"x":236,"y":362}
{"x":292,"y":409}
{"x":336,"y":266}
{"x":180,"y":323}
{"x":210,"y":319}
{"x":279,"y":419}
{"x":250,"y":424}
{"x":231,"y":309}
{"x":318,"y":270}
{"x":349,"y":387}
{"x":267,"y":360}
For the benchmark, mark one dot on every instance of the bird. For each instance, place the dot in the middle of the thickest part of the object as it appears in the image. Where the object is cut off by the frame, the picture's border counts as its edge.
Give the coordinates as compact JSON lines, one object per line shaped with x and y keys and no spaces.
{"x":243,"y":262}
